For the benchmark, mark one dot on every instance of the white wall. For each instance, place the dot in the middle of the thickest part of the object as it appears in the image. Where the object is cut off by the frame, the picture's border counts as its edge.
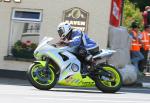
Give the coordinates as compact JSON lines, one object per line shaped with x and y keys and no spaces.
{"x":99,"y":11}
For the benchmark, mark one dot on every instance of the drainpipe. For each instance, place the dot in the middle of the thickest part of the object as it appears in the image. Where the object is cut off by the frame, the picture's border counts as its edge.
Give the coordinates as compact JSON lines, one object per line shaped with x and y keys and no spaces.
{"x":122,"y":7}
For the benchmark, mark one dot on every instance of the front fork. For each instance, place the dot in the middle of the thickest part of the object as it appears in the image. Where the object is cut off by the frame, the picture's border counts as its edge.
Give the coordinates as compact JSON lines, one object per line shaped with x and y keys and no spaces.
{"x":46,"y":67}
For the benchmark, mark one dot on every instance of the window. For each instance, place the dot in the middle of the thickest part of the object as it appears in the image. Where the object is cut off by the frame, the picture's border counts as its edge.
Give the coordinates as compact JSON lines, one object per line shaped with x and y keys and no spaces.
{"x":25,"y":26}
{"x":31,"y":28}
{"x":26,"y":15}
{"x":16,"y":1}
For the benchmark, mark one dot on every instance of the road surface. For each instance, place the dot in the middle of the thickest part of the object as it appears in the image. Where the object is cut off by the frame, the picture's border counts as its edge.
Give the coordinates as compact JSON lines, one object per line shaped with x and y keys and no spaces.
{"x":14,"y":91}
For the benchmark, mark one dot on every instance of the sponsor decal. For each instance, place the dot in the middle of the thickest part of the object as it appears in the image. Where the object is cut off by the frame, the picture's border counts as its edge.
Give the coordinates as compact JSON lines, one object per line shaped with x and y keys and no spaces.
{"x":77,"y":80}
{"x":75,"y":68}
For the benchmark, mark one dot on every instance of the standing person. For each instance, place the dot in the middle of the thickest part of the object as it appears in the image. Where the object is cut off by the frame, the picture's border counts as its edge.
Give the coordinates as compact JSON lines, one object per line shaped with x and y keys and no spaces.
{"x":135,"y":36}
{"x":145,"y":46}
{"x":145,"y":14}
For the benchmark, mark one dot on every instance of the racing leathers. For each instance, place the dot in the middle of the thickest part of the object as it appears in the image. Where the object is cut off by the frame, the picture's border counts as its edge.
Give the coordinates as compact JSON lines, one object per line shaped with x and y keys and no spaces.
{"x":78,"y":38}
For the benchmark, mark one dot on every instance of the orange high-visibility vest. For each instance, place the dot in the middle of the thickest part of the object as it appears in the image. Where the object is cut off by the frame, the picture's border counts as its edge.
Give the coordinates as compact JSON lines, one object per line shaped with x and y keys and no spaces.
{"x":145,"y":40}
{"x":135,"y":45}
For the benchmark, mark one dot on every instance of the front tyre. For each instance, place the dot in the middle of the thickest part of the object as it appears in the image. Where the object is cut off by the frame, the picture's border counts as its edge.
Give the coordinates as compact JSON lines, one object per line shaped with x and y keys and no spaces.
{"x":110,"y":84}
{"x":41,"y":79}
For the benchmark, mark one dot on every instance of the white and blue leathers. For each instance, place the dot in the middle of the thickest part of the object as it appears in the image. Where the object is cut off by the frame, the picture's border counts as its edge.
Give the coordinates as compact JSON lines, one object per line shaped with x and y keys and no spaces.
{"x":76,"y":38}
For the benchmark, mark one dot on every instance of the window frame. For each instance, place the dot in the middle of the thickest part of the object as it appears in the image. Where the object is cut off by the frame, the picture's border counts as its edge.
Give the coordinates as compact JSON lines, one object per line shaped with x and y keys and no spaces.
{"x":13,"y":20}
{"x":27,"y":10}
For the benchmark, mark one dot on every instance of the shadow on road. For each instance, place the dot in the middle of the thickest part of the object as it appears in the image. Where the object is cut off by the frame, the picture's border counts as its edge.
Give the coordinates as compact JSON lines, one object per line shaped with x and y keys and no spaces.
{"x":58,"y":88}
{"x":82,"y":91}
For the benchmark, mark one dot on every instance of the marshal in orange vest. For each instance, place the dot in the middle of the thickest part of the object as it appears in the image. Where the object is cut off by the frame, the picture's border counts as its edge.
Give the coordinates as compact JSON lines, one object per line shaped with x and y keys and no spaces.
{"x":145,"y":40}
{"x":135,"y":44}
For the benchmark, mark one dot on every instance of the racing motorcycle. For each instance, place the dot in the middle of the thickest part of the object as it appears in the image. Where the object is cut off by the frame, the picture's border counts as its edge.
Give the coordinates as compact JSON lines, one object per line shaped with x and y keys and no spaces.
{"x":54,"y":63}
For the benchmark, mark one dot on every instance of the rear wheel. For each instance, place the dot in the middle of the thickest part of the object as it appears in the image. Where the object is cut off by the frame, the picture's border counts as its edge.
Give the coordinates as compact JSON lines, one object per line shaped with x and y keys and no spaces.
{"x":41,"y":78}
{"x":109,"y":84}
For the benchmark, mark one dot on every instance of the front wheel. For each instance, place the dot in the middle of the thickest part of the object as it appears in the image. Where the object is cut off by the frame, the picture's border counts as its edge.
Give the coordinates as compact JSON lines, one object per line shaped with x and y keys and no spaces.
{"x":109,"y":84}
{"x":41,"y":78}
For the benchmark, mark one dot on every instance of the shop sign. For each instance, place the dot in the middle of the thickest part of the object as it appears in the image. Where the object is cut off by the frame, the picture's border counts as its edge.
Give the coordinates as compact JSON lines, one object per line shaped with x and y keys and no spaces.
{"x":77,"y":17}
{"x":16,"y":1}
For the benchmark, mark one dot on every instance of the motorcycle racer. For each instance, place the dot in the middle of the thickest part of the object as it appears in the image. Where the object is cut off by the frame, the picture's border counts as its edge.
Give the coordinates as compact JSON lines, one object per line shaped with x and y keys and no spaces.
{"x":56,"y":63}
{"x":76,"y":38}
{"x":73,"y":37}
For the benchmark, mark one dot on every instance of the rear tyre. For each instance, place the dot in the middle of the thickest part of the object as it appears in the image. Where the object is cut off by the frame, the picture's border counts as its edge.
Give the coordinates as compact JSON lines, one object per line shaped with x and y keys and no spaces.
{"x":40,"y":79}
{"x":111,"y":84}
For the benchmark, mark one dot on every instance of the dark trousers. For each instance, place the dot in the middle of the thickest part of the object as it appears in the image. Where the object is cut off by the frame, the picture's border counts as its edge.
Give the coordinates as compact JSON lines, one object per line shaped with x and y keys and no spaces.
{"x":143,"y":62}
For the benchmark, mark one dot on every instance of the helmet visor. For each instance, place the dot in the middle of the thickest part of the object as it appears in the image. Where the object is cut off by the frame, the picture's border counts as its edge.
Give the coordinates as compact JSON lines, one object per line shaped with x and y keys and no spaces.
{"x":60,"y":32}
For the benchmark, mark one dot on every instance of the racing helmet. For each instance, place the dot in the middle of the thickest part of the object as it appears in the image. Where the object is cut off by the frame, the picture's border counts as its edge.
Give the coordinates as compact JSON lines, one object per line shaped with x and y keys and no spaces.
{"x":64,"y":29}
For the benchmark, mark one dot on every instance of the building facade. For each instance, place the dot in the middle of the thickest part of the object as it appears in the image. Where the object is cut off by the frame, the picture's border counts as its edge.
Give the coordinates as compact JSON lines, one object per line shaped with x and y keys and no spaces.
{"x":33,"y":19}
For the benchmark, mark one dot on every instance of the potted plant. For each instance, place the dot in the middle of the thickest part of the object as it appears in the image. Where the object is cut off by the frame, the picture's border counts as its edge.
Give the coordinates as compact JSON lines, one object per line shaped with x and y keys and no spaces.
{"x":23,"y":49}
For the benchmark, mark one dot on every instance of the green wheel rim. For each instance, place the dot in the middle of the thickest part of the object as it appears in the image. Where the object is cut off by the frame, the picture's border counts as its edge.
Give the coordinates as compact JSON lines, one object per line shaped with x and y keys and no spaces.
{"x":115,"y":80}
{"x":45,"y":80}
